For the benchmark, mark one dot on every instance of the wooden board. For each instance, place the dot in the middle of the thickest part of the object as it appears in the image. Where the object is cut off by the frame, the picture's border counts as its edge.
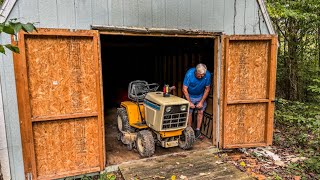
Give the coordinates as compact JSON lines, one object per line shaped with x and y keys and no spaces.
{"x":66,"y":146}
{"x":248,"y":90}
{"x":203,"y":164}
{"x":61,"y":75}
{"x":58,"y":76}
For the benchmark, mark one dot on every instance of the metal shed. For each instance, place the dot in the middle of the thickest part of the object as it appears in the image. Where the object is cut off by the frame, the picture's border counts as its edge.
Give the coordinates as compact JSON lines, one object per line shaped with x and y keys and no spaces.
{"x":40,"y":109}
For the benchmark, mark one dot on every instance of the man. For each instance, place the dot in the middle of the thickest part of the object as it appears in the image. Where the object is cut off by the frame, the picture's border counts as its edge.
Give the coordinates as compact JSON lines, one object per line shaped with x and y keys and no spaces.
{"x":196,"y":87}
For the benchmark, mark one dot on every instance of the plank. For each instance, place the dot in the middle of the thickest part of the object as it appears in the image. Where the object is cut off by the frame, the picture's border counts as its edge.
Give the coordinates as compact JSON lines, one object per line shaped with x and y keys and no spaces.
{"x":195,"y":14}
{"x":145,"y":13}
{"x":250,"y":16}
{"x":131,"y":13}
{"x":83,"y":11}
{"x":240,"y":9}
{"x":201,"y":164}
{"x":171,"y":14}
{"x":184,"y":14}
{"x":115,"y":12}
{"x":66,"y":14}
{"x":48,"y":13}
{"x":158,"y":13}
{"x":207,"y":15}
{"x":218,"y":15}
{"x":27,"y":9}
{"x":229,"y":13}
{"x":99,"y":12}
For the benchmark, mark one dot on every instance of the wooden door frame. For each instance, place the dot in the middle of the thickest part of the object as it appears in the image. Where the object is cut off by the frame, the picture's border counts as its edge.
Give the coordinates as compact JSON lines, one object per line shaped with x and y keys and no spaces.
{"x":21,"y":76}
{"x":156,"y":32}
{"x":271,"y":80}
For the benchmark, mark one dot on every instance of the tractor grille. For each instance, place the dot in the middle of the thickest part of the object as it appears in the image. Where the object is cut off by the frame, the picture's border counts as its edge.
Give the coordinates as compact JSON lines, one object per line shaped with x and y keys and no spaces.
{"x":175,"y":120}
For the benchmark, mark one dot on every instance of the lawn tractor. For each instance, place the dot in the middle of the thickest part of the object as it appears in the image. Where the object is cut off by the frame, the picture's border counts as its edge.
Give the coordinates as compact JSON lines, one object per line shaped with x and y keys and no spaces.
{"x":153,"y":118}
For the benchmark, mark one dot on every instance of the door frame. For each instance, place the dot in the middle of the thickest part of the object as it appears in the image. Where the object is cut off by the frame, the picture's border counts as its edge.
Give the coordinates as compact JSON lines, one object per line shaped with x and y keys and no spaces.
{"x":181,"y":33}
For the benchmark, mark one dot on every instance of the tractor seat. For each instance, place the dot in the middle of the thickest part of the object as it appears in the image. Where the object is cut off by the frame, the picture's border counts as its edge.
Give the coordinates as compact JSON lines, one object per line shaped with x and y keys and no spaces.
{"x":138,"y":90}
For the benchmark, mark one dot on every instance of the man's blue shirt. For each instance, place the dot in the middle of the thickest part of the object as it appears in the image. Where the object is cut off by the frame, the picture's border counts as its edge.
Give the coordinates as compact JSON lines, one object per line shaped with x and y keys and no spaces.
{"x":196,"y":86}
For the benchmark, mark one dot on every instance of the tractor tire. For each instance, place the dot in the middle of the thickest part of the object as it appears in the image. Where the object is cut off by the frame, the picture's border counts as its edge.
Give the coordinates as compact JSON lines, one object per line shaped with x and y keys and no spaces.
{"x":145,"y":143}
{"x":187,"y":138}
{"x":123,"y":121}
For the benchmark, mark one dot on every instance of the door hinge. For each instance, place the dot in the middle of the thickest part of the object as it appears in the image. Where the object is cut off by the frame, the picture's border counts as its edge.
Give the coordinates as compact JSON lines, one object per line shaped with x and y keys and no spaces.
{"x":29,"y":176}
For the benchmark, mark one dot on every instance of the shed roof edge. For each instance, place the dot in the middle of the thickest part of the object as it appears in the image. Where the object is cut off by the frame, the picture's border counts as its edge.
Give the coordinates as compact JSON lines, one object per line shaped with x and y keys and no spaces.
{"x":5,"y":10}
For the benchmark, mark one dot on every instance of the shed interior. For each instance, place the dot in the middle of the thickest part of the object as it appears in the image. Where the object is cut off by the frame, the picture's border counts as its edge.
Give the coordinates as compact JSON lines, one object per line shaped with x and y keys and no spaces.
{"x":156,"y":59}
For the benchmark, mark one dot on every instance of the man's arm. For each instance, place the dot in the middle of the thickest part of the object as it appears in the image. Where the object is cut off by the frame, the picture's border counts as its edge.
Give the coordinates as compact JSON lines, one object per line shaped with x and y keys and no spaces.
{"x":185,"y":92}
{"x":205,"y":94}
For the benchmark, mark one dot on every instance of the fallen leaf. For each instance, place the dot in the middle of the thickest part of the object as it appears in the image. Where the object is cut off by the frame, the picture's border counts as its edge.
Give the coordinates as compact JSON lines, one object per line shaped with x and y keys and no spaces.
{"x":260,"y":177}
{"x":173,"y":177}
{"x":297,"y":159}
{"x":178,"y":163}
{"x":219,"y":162}
{"x":235,"y":157}
{"x":158,"y":177}
{"x":191,"y":165}
{"x":279,"y":163}
{"x":297,"y":177}
{"x":243,"y":164}
{"x":183,"y":177}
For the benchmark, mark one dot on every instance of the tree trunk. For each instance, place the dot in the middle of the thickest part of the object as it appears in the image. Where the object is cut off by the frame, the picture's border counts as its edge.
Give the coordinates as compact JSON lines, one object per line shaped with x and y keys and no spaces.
{"x":319,"y":49}
{"x":292,"y":63}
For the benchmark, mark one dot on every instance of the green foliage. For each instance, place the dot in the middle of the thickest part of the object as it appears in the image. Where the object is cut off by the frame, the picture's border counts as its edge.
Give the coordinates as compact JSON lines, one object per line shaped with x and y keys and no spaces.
{"x":12,"y":28}
{"x":315,"y":89}
{"x":275,"y":176}
{"x":297,"y":23}
{"x":300,"y":126}
{"x":103,"y":176}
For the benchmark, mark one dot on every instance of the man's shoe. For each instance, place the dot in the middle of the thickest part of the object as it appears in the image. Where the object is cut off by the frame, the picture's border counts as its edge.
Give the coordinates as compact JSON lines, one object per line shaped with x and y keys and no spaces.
{"x":197,"y":133}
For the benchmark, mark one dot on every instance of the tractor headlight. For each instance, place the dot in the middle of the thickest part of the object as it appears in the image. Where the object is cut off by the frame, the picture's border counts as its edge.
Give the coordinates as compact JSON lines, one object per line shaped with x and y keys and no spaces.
{"x":183,"y":107}
{"x":168,"y":109}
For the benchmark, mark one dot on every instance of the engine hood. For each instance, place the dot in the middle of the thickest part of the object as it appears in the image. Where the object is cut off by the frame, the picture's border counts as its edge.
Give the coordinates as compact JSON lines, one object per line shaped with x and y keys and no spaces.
{"x":157,"y":97}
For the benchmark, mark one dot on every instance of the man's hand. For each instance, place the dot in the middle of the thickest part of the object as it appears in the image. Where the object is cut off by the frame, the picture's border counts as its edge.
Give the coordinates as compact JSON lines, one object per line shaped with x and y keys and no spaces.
{"x":199,"y":105}
{"x":192,"y":106}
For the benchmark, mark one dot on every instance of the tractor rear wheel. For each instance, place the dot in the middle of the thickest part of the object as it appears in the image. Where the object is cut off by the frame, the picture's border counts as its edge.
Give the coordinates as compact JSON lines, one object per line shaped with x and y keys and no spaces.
{"x":187,"y":138}
{"x":123,"y":121}
{"x":145,"y":143}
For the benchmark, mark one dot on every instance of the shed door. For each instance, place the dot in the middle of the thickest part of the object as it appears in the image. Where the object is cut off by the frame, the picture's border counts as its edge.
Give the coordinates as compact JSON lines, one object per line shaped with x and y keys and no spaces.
{"x":248,"y":90}
{"x":60,"y":106}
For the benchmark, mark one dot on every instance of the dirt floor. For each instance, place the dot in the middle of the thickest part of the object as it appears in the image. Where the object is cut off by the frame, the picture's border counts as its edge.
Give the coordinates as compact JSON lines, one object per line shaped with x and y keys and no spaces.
{"x":117,"y":152}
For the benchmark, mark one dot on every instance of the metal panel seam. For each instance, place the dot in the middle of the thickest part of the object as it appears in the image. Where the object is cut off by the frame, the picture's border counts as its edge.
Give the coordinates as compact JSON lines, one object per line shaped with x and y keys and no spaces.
{"x":5,"y":132}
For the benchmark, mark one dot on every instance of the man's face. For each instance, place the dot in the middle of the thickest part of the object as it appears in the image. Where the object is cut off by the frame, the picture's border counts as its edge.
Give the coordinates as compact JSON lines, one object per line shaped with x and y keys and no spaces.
{"x":199,"y":76}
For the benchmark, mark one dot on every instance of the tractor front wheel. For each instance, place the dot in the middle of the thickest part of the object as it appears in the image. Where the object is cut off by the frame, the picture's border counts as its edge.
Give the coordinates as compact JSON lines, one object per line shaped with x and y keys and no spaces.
{"x":187,"y":138}
{"x":145,"y":143}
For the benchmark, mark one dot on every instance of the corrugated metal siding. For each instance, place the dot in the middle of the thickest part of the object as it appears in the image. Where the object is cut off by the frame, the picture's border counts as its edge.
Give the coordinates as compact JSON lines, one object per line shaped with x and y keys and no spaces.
{"x":229,"y":16}
{"x":10,"y":109}
{"x":4,"y":157}
{"x":10,"y":106}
